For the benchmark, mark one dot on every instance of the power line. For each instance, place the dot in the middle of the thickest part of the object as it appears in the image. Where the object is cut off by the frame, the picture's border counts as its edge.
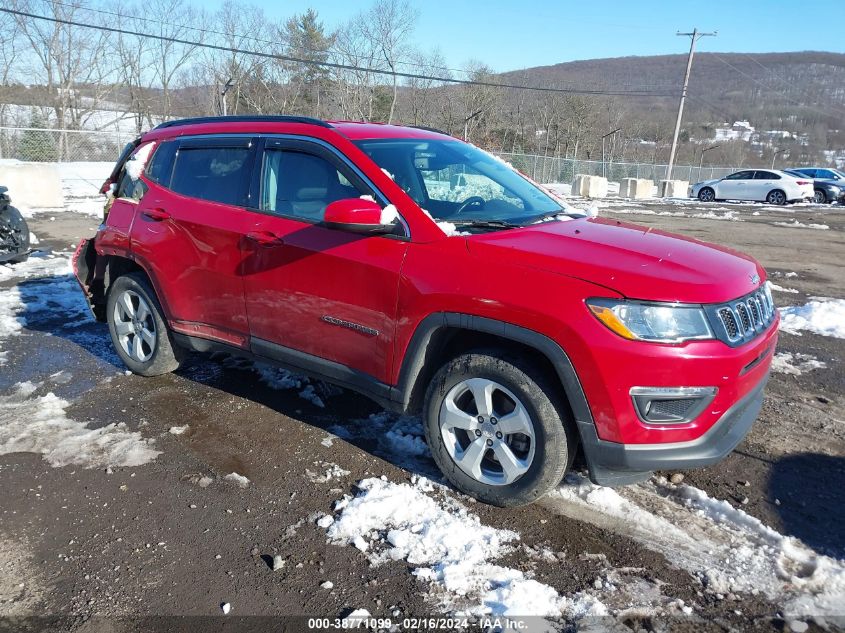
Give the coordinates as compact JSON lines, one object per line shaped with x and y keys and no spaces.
{"x":238,"y":35}
{"x":694,"y":37}
{"x":834,"y":110}
{"x":336,"y":65}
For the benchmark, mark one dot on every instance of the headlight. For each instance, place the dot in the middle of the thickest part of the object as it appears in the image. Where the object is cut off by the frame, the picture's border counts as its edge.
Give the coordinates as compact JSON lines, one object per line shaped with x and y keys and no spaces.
{"x":656,"y":322}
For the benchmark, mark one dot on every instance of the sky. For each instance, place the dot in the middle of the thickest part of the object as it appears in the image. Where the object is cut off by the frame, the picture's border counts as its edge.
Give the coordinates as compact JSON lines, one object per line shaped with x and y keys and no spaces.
{"x":513,"y":34}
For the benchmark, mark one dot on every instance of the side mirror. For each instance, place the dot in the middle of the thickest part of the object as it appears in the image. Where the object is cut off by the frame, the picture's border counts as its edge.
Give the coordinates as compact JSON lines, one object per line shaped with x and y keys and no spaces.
{"x":356,"y":215}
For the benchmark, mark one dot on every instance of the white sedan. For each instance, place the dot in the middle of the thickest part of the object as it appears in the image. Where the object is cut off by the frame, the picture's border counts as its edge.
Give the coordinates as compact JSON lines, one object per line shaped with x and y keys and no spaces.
{"x":769,"y":185}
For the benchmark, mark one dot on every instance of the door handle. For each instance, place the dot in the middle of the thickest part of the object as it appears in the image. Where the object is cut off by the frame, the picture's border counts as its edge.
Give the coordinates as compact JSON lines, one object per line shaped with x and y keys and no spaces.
{"x":264,"y":238}
{"x":157,"y":215}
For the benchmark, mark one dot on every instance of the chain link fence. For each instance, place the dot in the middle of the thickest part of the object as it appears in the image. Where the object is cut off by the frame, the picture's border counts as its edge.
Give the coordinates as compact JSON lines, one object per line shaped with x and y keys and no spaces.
{"x":44,"y":145}
{"x":62,"y":146}
{"x":550,"y":169}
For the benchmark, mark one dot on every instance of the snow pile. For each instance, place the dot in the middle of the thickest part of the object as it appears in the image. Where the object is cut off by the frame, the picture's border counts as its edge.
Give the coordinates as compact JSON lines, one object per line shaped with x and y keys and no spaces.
{"x":725,"y":548}
{"x":450,"y":549}
{"x":777,"y":288}
{"x":795,"y":364}
{"x":282,"y":379}
{"x":820,"y":315}
{"x":237,"y":479}
{"x":795,"y":224}
{"x":39,"y":425}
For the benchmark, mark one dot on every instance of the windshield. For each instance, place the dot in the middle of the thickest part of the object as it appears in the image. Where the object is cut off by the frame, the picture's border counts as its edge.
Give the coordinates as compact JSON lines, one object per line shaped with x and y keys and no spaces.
{"x":458,"y":182}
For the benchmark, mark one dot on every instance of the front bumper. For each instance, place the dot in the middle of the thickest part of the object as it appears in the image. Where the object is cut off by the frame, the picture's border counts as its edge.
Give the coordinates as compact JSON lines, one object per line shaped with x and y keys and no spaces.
{"x":615,"y":464}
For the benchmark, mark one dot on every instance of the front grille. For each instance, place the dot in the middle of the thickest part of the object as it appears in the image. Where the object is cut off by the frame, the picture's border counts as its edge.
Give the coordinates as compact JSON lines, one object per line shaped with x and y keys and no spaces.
{"x":739,"y":321}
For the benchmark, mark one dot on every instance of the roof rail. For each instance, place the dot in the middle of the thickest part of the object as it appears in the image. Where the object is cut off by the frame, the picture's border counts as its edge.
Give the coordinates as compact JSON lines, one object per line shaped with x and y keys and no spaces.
{"x":245,"y":118}
{"x":429,"y":129}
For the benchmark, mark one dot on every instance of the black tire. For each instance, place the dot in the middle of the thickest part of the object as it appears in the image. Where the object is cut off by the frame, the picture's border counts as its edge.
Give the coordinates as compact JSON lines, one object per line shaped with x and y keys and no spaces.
{"x":776,"y":196}
{"x":819,"y":196}
{"x":164,"y":355}
{"x":13,"y":218}
{"x":554,"y":440}
{"x":707,"y":194}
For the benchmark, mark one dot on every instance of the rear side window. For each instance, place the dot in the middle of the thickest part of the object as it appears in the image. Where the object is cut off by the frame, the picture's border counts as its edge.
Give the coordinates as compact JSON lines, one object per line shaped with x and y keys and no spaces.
{"x":218,"y":174}
{"x":160,"y":166}
{"x":765,"y":175}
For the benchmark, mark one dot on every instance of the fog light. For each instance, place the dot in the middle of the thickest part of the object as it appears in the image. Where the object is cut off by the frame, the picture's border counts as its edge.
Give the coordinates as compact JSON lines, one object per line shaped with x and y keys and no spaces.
{"x":671,"y":405}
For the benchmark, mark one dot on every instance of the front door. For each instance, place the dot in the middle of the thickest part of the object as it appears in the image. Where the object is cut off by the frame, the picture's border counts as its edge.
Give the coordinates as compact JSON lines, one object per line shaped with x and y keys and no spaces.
{"x":329,"y":294}
{"x":736,"y":186}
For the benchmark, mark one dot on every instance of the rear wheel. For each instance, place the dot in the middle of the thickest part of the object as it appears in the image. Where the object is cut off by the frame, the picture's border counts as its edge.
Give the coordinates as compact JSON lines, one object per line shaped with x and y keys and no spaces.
{"x":776,"y":196}
{"x":819,"y":197}
{"x":137,"y":327}
{"x":497,"y":428}
{"x":707,"y":194}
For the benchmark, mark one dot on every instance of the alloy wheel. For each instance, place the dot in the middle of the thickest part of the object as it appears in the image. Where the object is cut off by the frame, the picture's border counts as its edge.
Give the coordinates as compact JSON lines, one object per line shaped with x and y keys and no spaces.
{"x":487,"y":431}
{"x":135,"y":326}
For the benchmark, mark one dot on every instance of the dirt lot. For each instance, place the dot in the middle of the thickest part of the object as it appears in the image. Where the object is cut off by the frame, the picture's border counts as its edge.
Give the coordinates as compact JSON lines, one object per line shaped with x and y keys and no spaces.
{"x":163,"y":545}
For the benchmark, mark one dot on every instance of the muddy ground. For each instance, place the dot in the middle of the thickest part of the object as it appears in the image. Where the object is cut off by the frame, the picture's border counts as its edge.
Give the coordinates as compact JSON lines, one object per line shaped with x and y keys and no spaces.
{"x":100,"y":548}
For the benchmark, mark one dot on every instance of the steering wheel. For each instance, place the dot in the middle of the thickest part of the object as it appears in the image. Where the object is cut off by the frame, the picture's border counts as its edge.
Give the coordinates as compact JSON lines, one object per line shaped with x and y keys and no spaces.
{"x":472,"y":200}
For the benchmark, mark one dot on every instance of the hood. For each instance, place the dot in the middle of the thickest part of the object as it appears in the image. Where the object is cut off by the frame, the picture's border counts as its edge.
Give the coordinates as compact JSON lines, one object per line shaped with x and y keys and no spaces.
{"x":704,"y":183}
{"x":635,"y":261}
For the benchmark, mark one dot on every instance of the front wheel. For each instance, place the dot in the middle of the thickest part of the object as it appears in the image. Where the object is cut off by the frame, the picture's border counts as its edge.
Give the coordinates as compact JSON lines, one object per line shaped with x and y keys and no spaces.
{"x":707,"y":195}
{"x":819,"y":197}
{"x":776,"y":197}
{"x":497,"y":428}
{"x":137,"y":327}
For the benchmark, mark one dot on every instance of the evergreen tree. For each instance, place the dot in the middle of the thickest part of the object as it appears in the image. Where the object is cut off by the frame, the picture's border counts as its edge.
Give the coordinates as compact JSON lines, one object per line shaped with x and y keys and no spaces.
{"x":37,"y":143}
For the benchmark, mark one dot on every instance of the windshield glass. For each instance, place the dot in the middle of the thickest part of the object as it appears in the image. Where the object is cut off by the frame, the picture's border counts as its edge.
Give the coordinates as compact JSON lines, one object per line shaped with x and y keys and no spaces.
{"x":458,"y":182}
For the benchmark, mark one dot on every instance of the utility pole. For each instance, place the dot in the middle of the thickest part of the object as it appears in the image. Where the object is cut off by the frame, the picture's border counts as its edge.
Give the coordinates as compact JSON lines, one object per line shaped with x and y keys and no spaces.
{"x":223,"y":92}
{"x":701,"y":158}
{"x":466,"y":123}
{"x":603,"y":171}
{"x":775,"y":155}
{"x":694,"y":37}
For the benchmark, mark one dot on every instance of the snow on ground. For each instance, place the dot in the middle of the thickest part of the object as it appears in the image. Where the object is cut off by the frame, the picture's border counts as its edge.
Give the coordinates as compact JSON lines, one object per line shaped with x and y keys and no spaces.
{"x":800,"y":225}
{"x":39,"y":424}
{"x":821,"y":315}
{"x":777,"y":288}
{"x":725,"y":548}
{"x":450,"y":549}
{"x":795,"y":364}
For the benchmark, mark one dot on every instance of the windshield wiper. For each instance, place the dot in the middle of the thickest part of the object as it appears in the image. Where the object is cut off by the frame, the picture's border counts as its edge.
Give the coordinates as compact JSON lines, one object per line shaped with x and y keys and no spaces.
{"x":485,"y":224}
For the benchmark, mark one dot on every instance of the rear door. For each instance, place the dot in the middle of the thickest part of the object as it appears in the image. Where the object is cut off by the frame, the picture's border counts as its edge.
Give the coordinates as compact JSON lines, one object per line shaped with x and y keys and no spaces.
{"x":188,"y":233}
{"x":329,"y":294}
{"x":764,"y":182}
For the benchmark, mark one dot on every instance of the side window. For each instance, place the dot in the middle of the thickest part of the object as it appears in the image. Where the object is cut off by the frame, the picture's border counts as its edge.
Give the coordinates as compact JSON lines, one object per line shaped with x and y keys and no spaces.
{"x":160,"y":166}
{"x":741,"y":175}
{"x":301,"y":185}
{"x":765,"y":175}
{"x":218,"y":174}
{"x":130,"y":186}
{"x":825,"y":173}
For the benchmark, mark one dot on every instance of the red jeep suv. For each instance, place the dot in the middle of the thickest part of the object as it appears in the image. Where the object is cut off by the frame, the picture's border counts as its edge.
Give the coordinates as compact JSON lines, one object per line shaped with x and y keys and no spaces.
{"x":432,"y":277}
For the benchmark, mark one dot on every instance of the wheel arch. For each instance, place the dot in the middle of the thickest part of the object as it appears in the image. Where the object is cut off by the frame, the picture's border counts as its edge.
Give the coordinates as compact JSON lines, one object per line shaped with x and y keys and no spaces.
{"x":107,"y":269}
{"x":443,"y":335}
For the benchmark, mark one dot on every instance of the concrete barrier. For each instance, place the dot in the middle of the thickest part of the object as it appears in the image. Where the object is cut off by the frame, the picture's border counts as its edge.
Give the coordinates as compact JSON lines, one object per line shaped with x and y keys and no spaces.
{"x":637,"y":188}
{"x":32,"y":185}
{"x":589,"y":186}
{"x":673,"y":188}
